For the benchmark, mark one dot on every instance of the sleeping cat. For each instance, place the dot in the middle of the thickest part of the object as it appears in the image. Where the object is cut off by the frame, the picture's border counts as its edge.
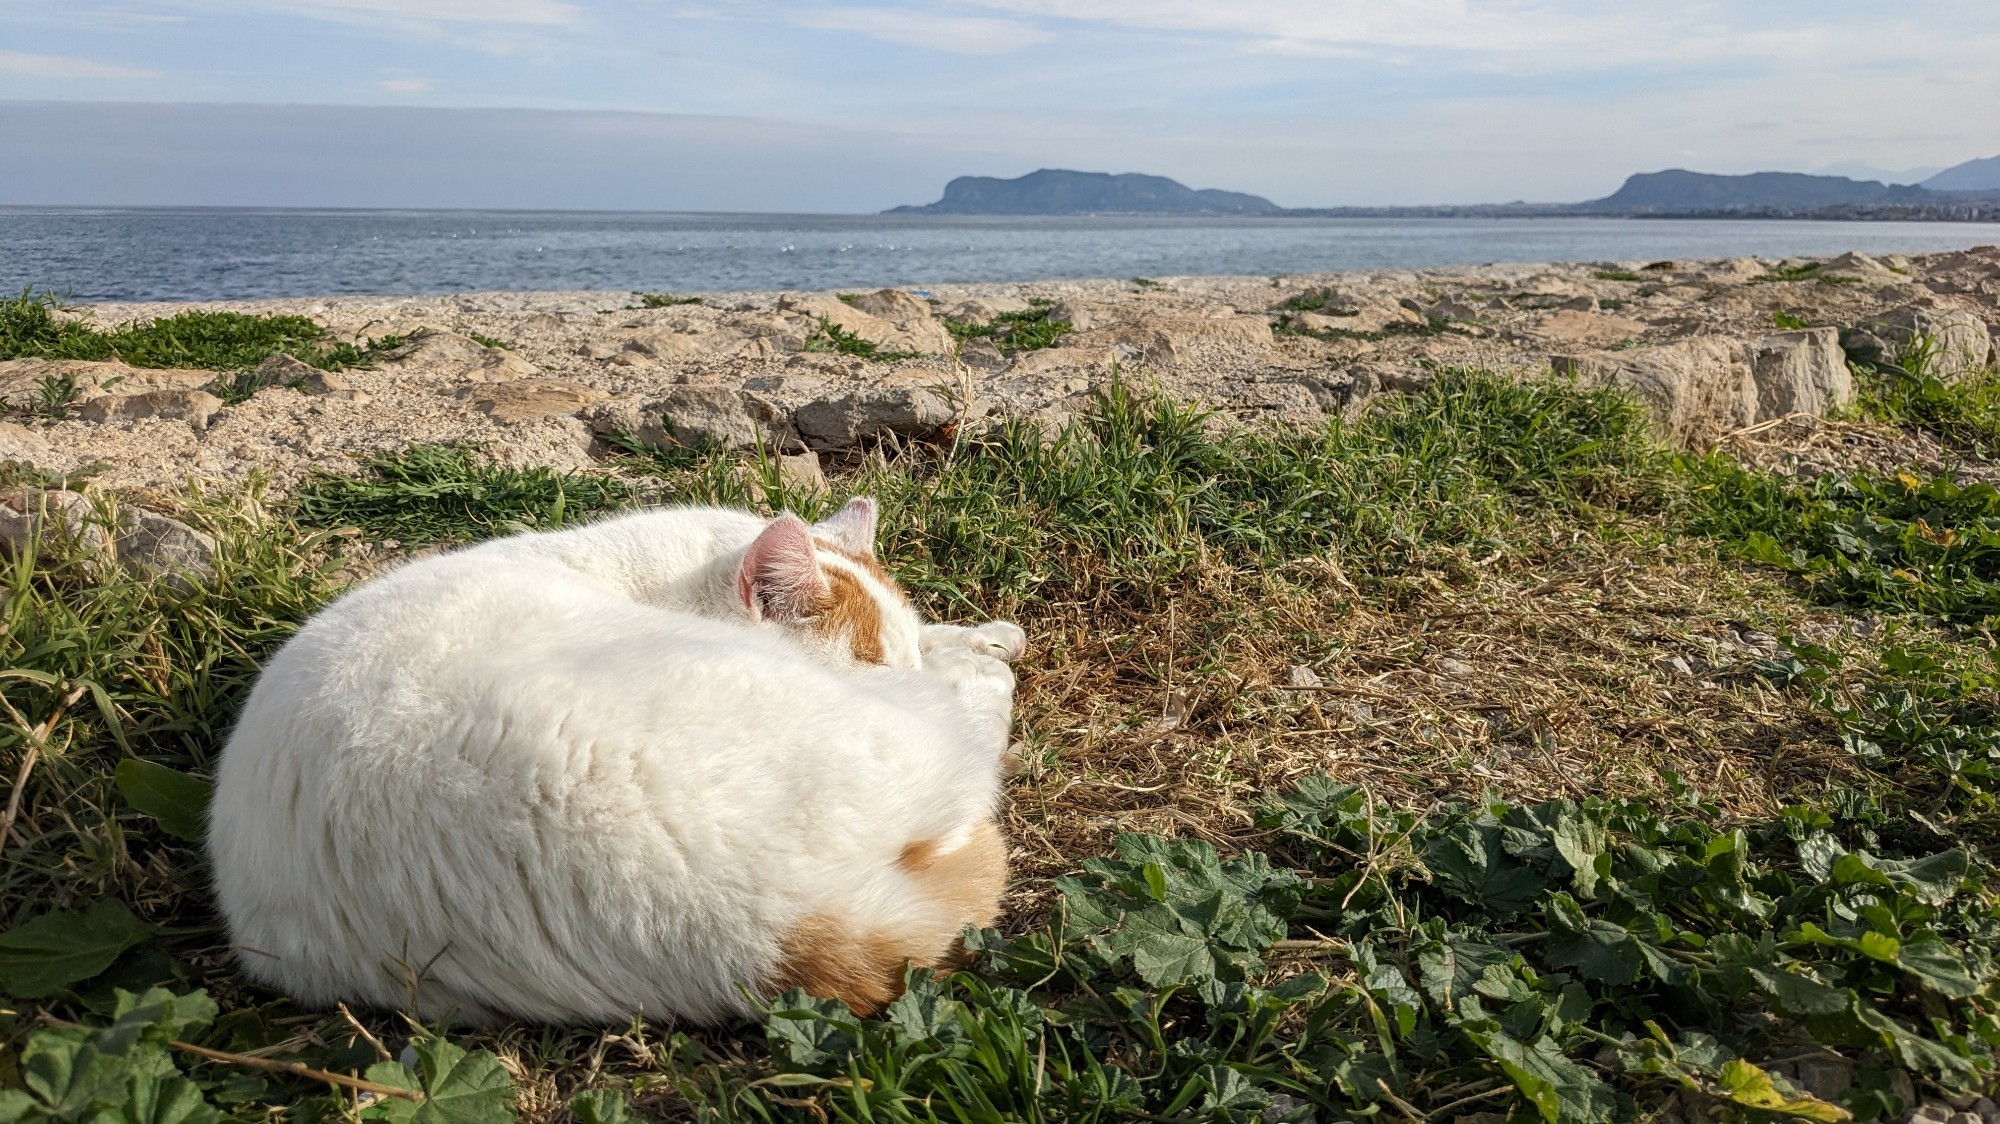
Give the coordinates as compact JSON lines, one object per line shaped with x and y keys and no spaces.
{"x":654,"y":765}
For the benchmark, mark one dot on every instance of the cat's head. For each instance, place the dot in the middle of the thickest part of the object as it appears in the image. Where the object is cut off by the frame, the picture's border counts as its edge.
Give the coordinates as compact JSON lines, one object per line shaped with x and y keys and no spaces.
{"x":821,"y":581}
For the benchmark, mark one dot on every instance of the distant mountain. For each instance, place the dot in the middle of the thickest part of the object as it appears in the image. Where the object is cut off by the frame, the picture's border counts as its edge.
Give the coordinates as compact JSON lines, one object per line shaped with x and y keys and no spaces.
{"x":1679,"y":191}
{"x":1055,"y":191}
{"x":1973,"y":175}
{"x":1862,"y":170}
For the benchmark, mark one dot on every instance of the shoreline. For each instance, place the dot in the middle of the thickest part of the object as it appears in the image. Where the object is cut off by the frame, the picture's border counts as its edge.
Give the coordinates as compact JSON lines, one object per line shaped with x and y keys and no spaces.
{"x":545,"y":378}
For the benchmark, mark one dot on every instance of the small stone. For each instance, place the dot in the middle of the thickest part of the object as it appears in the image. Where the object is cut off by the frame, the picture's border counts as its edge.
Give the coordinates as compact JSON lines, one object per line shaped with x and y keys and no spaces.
{"x":153,"y":545}
{"x":1674,"y":665}
{"x":1963,"y":1118}
{"x":1303,"y":676}
{"x":1987,"y":1111}
{"x":692,"y":416}
{"x":1825,"y":1078}
{"x":145,"y":543}
{"x":1076,"y":316}
{"x":843,"y":422}
{"x":1456,"y":668}
{"x":19,"y":443}
{"x":1931,"y":1112}
{"x":802,"y":471}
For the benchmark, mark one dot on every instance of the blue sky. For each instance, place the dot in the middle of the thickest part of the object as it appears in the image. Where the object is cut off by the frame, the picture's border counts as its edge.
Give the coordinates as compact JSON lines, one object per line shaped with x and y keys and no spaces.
{"x":829,"y":106}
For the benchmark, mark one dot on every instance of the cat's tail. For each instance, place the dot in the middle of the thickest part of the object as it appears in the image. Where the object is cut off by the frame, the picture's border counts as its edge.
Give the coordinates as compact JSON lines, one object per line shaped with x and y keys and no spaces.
{"x":912,"y":913}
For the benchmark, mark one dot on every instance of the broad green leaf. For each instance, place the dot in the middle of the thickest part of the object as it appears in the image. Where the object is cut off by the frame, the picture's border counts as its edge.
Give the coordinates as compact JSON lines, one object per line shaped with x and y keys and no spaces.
{"x":69,"y":1076}
{"x":1562,"y":1090}
{"x":1597,"y":949}
{"x":41,"y":957}
{"x":1230,"y":1095}
{"x":158,"y":1017}
{"x":807,"y":1031}
{"x":1938,"y":965}
{"x":599,"y":1106}
{"x":1471,"y":863}
{"x":178,"y":801}
{"x":162,"y":1100}
{"x":924,"y":1013}
{"x":461,"y":1087}
{"x":1750,"y":1086}
{"x":1452,"y":968}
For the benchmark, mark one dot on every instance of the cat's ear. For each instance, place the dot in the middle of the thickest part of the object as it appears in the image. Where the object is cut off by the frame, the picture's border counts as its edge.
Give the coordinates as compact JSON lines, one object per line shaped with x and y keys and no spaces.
{"x":780,"y":578}
{"x":852,"y":528}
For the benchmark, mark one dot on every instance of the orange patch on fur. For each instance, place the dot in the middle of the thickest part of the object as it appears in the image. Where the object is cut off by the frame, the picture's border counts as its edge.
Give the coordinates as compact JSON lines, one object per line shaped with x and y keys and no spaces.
{"x":865,"y":562}
{"x":849,"y":614}
{"x":831,"y":959}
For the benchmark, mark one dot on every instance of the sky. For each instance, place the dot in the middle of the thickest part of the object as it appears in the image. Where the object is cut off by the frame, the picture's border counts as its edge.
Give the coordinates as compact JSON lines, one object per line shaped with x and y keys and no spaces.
{"x":794,"y":105}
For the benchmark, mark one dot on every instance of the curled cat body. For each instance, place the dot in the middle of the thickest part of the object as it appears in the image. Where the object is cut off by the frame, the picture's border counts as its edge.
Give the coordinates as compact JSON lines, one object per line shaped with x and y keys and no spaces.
{"x":656,"y":766}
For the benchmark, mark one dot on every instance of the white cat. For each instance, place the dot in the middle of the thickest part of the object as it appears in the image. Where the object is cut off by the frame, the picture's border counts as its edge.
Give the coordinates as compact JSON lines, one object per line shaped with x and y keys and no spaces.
{"x":639,"y":767}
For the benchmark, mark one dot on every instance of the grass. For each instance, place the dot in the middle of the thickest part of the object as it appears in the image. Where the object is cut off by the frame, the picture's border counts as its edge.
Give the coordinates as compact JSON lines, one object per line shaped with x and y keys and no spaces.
{"x":661,"y":300}
{"x":1026,"y":329}
{"x":1963,"y":413}
{"x":212,"y":341}
{"x":488,"y":341}
{"x":831,"y":337}
{"x":1355,"y":785}
{"x":430,"y":494}
{"x":1619,"y":275}
{"x":1429,"y":326}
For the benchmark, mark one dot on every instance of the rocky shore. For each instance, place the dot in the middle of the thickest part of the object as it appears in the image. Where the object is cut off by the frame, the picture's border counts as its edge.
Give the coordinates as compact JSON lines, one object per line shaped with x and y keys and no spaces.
{"x":1715,"y":347}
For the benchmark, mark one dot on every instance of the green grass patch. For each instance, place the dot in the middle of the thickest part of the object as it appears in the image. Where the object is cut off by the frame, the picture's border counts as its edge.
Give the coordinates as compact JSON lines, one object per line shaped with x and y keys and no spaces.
{"x":488,"y":341}
{"x":212,"y":341}
{"x":663,"y":300}
{"x":1786,"y":321}
{"x":1807,"y":271}
{"x":1287,"y":325}
{"x":428,"y":494}
{"x":1026,"y":329}
{"x":830,"y":337}
{"x":1619,"y":275}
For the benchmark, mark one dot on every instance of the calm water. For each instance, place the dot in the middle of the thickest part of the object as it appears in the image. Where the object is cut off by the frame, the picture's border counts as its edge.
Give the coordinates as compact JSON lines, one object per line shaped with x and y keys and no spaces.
{"x":208,"y":254}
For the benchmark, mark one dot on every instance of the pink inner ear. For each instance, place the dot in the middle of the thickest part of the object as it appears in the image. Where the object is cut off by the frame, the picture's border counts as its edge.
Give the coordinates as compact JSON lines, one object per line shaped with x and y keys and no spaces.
{"x":852,"y":527}
{"x":780,"y":577}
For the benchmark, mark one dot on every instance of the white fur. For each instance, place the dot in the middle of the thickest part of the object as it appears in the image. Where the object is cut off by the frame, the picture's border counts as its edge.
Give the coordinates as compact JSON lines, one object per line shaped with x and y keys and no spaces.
{"x":565,"y":777}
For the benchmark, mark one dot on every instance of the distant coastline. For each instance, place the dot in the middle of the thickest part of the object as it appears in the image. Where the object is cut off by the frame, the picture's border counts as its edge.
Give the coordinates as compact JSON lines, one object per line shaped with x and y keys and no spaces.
{"x":1670,"y":194}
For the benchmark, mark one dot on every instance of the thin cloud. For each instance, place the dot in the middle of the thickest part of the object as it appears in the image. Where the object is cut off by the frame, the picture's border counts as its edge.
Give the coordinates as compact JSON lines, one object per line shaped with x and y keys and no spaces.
{"x":967,"y":35}
{"x":63,"y":66}
{"x":405,"y":12}
{"x":407,"y":85}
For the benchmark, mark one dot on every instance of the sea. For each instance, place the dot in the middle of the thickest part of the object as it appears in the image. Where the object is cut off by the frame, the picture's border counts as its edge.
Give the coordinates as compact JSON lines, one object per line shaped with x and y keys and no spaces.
{"x":129,"y":254}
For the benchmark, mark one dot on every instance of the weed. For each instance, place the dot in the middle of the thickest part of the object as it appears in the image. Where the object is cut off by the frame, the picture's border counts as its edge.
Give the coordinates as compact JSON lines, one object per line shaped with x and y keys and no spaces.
{"x":1026,"y":329}
{"x":831,"y":337}
{"x":429,"y":494}
{"x":54,"y":395}
{"x":1612,"y":304}
{"x":488,"y":341}
{"x":1428,"y":326}
{"x":1805,"y":271}
{"x":1619,"y":275}
{"x":663,"y":300}
{"x":1145,"y":283}
{"x":1788,"y":322}
{"x":214,"y":341}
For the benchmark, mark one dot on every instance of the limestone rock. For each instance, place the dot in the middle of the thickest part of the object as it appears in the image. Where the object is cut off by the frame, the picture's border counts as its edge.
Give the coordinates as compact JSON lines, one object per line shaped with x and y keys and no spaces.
{"x":1586,"y":329}
{"x":1052,"y":361}
{"x":892,"y":305}
{"x":982,"y":356}
{"x":1078,"y":317}
{"x":1959,"y":339}
{"x":153,"y":545}
{"x":21,"y":380}
{"x":196,"y":407}
{"x":802,"y":471}
{"x":448,"y":356}
{"x":1801,"y":372}
{"x":1697,"y":389}
{"x":146,"y":543}
{"x":920,"y":334}
{"x":1177,"y":340}
{"x":530,"y":399}
{"x":1854,"y":262}
{"x":861,"y":415}
{"x":19,"y":443}
{"x":693,"y":416}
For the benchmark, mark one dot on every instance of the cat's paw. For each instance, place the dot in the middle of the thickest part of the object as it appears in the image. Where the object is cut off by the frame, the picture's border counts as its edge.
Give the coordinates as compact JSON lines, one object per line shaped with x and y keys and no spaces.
{"x":1002,"y":640}
{"x":983,"y":682}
